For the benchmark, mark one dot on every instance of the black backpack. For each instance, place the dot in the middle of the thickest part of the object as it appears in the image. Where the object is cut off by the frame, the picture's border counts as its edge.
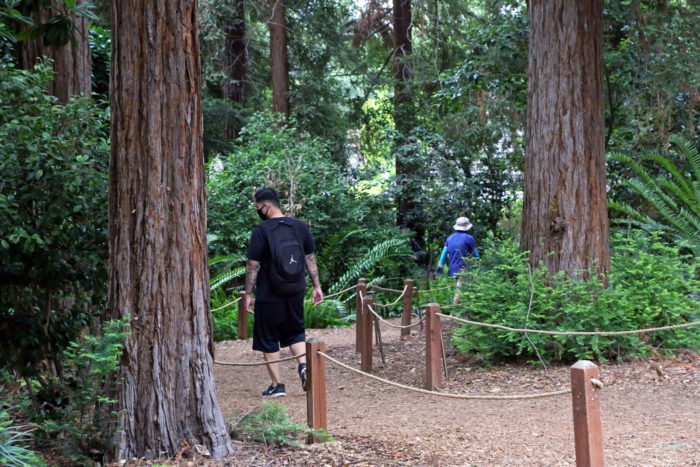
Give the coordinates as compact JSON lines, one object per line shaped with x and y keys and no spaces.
{"x":286,"y":268}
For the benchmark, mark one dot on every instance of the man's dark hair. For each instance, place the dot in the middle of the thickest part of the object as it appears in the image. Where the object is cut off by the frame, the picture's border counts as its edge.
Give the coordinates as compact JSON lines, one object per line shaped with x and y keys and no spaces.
{"x":267,"y":194}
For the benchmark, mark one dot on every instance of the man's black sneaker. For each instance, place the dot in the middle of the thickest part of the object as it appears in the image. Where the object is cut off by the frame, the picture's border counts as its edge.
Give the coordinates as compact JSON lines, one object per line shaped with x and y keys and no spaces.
{"x":302,"y":375}
{"x":274,"y":391}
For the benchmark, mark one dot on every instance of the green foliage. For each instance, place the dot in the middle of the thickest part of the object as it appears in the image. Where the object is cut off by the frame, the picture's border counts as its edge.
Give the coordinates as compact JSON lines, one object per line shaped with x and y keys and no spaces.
{"x":225,"y":316}
{"x":652,"y":73}
{"x":673,"y":195}
{"x":328,"y":314}
{"x":650,"y":285}
{"x":58,"y":29}
{"x":335,"y":312}
{"x":224,"y":313}
{"x":13,"y":444}
{"x":271,"y":425}
{"x":101,"y":59}
{"x":293,"y":163}
{"x":83,"y":424}
{"x":390,"y":247}
{"x":53,"y":218}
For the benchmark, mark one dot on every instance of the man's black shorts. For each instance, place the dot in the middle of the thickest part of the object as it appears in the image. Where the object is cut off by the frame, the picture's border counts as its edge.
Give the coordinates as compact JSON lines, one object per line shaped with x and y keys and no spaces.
{"x":278,"y":324}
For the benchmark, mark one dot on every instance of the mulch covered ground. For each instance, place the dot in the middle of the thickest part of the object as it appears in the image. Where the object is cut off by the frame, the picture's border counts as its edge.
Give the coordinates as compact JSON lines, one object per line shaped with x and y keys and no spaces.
{"x":650,"y":411}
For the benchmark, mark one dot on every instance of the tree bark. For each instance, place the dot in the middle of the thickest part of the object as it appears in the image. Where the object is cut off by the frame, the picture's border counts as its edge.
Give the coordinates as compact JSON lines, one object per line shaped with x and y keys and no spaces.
{"x":408,"y":174}
{"x":235,"y":59}
{"x":565,"y":207}
{"x":71,"y":62}
{"x":157,"y":243}
{"x":279,"y":68}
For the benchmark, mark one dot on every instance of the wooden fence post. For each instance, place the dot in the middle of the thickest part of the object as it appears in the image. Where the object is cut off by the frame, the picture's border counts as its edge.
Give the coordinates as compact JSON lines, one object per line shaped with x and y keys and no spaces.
{"x":588,"y":431}
{"x":242,"y":318}
{"x":433,"y":350}
{"x":407,"y":307}
{"x":316,"y":386}
{"x":366,"y":331}
{"x":360,"y":292}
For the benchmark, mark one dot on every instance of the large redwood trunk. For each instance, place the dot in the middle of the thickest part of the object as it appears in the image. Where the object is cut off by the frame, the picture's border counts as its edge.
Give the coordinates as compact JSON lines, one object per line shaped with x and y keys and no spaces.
{"x":565,"y":207}
{"x":235,"y":63}
{"x":157,"y":244}
{"x":71,"y":61}
{"x":408,"y":209}
{"x":279,"y":68}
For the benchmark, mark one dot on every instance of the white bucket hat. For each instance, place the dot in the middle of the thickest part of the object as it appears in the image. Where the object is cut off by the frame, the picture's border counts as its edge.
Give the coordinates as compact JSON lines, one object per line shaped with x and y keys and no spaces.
{"x":462,"y":224}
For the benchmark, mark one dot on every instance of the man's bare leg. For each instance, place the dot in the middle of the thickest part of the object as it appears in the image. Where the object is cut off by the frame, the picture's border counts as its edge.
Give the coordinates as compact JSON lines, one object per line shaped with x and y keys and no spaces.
{"x":298,"y":349}
{"x":273,"y":368}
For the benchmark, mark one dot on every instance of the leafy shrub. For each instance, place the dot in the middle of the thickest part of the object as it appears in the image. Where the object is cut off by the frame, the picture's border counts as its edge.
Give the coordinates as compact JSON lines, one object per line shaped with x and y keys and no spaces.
{"x":650,"y":285}
{"x":53,"y":218}
{"x":271,"y":425}
{"x":85,"y":420}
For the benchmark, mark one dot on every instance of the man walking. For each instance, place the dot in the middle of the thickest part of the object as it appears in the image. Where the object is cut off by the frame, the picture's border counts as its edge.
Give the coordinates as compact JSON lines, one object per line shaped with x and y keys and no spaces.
{"x":458,"y":246}
{"x":280,"y":252}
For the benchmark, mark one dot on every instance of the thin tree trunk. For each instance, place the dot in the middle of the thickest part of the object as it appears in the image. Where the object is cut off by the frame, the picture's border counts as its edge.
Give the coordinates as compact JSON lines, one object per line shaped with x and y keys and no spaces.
{"x":157,"y":243}
{"x":71,"y":62}
{"x":279,"y":68}
{"x":565,"y":207}
{"x":235,"y":57}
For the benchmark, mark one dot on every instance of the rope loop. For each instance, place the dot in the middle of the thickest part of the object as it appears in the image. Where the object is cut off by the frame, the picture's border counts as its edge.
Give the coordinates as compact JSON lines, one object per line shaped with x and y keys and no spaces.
{"x":395,"y":301}
{"x":392,"y":324}
{"x":444,"y":394}
{"x":260,"y":363}
{"x":372,"y":286}
{"x":228,"y":304}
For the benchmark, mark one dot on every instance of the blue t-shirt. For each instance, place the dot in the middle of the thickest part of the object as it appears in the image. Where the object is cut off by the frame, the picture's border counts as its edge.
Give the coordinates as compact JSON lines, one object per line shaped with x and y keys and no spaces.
{"x":459,"y":246}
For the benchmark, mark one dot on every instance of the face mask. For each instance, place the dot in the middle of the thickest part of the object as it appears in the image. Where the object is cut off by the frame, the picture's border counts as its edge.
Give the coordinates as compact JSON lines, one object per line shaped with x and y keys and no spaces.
{"x":260,"y":213}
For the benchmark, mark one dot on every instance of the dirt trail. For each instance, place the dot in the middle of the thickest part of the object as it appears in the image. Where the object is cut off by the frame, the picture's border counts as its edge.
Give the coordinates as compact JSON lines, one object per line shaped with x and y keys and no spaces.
{"x":650,"y":410}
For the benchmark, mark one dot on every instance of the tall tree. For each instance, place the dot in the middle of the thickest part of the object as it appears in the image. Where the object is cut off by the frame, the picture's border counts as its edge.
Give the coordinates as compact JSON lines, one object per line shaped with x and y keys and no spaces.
{"x":279,"y":66}
{"x":157,"y":244}
{"x":63,"y":36}
{"x":235,"y":58}
{"x":407,"y":167}
{"x":565,"y":209}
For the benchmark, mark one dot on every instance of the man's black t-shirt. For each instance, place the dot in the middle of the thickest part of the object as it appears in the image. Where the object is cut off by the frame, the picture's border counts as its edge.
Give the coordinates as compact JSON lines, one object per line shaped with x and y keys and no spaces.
{"x":259,"y":250}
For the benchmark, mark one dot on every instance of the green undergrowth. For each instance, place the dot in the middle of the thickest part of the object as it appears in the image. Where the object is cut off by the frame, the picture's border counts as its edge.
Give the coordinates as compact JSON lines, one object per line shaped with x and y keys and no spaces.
{"x":651,"y":284}
{"x":271,"y":425}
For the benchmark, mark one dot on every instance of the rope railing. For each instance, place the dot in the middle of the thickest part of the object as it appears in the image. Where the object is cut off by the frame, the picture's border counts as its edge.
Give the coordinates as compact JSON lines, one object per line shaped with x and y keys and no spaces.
{"x":341,"y":292}
{"x":392,"y":324}
{"x":569,"y":333}
{"x":227,"y":305}
{"x":444,"y":394}
{"x":260,"y":363}
{"x":373,"y":286}
{"x":395,"y":301}
{"x":435,"y":290}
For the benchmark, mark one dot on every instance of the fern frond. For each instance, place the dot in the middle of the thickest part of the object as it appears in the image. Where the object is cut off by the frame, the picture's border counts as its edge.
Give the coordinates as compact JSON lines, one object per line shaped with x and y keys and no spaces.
{"x":225,"y":277}
{"x":674,"y":195}
{"x":682,"y":181}
{"x":683,"y":197}
{"x":690,"y":152}
{"x":373,"y":256}
{"x":636,"y":218}
{"x":226,"y":259}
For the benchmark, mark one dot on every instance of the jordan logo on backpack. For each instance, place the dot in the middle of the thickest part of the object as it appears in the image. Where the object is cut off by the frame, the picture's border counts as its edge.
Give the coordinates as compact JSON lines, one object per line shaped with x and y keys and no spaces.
{"x":292,"y":260}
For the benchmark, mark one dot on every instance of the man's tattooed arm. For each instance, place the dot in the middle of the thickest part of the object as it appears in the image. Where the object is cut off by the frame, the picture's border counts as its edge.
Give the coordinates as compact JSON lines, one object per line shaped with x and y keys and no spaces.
{"x":251,"y":274}
{"x":313,"y":269}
